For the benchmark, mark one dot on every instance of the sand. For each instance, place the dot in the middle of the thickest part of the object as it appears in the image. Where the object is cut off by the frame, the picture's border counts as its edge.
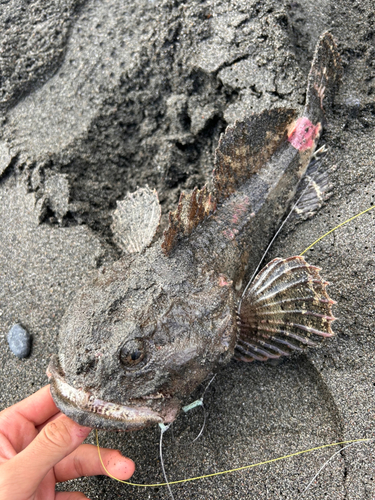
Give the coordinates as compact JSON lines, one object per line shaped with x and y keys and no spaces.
{"x":97,"y":98}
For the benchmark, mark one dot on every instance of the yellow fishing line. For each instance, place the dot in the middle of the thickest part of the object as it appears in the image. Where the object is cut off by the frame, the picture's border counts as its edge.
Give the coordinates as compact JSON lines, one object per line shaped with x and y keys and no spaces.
{"x":334,"y":229}
{"x":259,"y":463}
{"x":231,"y":470}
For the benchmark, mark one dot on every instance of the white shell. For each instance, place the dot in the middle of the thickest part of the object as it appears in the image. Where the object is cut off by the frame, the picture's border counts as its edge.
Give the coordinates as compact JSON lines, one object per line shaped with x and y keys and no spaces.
{"x":136,"y":219}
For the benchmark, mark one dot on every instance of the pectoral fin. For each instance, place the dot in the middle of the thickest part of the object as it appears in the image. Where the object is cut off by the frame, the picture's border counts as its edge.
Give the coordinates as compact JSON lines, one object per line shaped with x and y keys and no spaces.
{"x":286,"y":309}
{"x":136,"y":219}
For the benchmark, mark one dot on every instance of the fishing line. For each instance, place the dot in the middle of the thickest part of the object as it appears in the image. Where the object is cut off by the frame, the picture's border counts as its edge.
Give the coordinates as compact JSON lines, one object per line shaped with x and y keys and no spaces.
{"x":306,"y":249}
{"x":272,"y":460}
{"x":334,"y":229}
{"x":326,"y":463}
{"x":316,"y":158}
{"x":168,"y":483}
{"x":199,"y":402}
{"x":164,"y":428}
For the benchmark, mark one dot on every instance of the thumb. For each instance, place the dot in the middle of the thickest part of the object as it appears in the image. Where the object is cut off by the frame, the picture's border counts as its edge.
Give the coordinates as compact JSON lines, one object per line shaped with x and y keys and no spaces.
{"x":55,"y":441}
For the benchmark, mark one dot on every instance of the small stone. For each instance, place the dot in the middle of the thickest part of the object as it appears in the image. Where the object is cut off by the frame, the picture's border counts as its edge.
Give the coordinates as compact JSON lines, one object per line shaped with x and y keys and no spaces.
{"x":19,"y":341}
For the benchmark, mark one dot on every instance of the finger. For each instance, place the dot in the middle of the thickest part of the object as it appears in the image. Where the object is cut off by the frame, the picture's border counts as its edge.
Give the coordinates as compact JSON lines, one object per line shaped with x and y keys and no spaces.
{"x":6,"y":449}
{"x":54,"y":442}
{"x":37,"y":408}
{"x":17,"y":429}
{"x":54,"y":417}
{"x":84,"y":461}
{"x":70,"y":495}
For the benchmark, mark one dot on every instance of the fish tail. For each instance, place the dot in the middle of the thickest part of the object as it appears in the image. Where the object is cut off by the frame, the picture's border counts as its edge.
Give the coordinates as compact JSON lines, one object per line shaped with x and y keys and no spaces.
{"x":324,"y":78}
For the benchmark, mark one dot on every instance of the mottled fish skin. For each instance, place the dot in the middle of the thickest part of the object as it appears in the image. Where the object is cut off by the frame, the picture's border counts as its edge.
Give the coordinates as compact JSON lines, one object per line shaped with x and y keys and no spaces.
{"x":140,"y":338}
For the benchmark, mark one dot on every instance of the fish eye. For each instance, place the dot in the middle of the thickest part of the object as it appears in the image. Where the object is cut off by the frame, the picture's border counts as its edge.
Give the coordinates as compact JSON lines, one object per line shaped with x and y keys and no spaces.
{"x":132,"y":353}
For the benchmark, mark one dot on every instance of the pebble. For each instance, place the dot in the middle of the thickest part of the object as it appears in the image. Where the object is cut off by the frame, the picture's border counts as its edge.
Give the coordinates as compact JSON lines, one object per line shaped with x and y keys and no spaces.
{"x":19,"y":341}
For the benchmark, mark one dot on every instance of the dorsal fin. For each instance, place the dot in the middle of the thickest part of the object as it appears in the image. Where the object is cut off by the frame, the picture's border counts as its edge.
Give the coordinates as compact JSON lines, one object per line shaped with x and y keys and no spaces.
{"x":246,"y":146}
{"x":191,"y":210}
{"x":242,"y":150}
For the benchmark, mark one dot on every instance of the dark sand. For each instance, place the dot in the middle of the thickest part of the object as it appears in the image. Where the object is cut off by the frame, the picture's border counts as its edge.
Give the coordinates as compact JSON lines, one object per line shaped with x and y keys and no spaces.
{"x":97,"y":98}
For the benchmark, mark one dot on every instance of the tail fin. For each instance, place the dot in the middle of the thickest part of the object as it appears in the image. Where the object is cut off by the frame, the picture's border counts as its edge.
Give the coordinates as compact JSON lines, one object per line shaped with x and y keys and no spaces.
{"x":324,"y":78}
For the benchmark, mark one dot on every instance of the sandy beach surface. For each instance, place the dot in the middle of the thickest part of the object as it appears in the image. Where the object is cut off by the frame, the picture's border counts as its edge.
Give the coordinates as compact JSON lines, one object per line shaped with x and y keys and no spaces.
{"x":99,"y":97}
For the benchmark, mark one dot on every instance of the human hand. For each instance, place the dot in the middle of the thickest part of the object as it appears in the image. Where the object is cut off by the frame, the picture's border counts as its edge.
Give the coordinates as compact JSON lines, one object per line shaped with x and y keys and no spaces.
{"x":39,"y":447}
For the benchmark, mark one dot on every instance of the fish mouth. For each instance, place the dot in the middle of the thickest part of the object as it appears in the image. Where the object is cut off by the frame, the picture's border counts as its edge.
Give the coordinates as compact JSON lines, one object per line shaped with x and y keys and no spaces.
{"x":85,"y":409}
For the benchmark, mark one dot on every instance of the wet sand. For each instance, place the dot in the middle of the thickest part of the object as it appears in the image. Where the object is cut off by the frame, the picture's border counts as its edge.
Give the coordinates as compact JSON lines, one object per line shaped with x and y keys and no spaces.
{"x":114,"y":96}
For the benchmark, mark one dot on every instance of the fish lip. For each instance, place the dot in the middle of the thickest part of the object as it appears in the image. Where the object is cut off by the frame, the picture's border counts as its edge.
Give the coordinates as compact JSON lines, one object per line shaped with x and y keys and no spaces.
{"x":85,"y":409}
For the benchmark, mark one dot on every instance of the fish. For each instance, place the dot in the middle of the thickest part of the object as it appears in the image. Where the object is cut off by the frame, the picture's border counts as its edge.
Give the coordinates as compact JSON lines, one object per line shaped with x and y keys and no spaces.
{"x":147,"y":330}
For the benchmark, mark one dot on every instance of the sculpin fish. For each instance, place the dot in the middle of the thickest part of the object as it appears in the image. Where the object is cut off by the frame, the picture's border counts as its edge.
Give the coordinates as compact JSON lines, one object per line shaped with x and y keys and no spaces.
{"x":147,"y":331}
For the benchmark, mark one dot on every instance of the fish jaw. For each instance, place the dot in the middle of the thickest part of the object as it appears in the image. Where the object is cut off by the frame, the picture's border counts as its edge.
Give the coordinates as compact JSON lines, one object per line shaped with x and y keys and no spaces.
{"x":85,"y":409}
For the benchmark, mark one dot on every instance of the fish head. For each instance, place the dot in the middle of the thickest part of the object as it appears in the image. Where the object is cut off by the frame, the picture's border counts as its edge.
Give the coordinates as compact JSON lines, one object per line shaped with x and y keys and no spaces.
{"x":139,"y":339}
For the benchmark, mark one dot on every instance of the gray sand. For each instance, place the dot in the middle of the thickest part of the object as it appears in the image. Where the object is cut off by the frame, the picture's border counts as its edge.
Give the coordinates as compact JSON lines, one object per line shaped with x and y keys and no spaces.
{"x":97,"y":98}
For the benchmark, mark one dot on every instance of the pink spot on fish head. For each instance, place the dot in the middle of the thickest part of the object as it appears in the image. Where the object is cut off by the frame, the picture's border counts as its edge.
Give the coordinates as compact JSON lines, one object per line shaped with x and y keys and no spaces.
{"x":304,"y":133}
